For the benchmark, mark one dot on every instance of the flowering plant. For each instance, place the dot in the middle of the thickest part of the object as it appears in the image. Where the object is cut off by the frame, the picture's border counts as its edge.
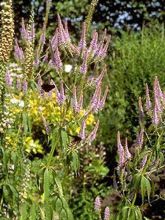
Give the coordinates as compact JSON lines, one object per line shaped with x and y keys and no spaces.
{"x":48,"y":114}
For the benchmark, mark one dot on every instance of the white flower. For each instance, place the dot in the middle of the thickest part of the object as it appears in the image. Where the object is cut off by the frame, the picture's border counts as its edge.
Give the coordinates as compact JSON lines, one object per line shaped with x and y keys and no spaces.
{"x":21,"y":103}
{"x":14,"y":101}
{"x":67,"y":68}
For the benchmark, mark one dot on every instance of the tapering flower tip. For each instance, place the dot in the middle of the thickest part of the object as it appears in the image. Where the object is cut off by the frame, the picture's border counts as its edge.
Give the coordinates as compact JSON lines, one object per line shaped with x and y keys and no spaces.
{"x":106,"y":213}
{"x":105,"y":48}
{"x":82,"y":131}
{"x":92,"y":135}
{"x":93,"y":44}
{"x":120,"y":151}
{"x":127,"y":153}
{"x":158,"y":95}
{"x":62,"y":93}
{"x":102,"y":102}
{"x":57,"y":60}
{"x":96,"y":98}
{"x":18,"y":52}
{"x":82,"y":44}
{"x":67,"y":35}
{"x":155,"y":118}
{"x":25,"y":86}
{"x":140,"y":138}
{"x":24,"y":32}
{"x":141,"y":110}
{"x":148,"y":100}
{"x":74,"y":99}
{"x":83,"y":67}
{"x":99,"y":79}
{"x":8,"y":78}
{"x":97,"y":204}
{"x":80,"y":102}
{"x":55,"y":40}
{"x":143,"y":163}
{"x":61,"y":31}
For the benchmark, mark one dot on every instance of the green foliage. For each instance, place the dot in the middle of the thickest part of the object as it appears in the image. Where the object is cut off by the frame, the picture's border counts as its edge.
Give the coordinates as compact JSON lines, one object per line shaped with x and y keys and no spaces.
{"x":135,"y":60}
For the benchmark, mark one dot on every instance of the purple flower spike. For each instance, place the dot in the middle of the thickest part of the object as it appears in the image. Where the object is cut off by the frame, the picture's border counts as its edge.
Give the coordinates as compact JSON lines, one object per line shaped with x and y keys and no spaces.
{"x":106,"y":213}
{"x":102,"y":102}
{"x":105,"y":48}
{"x":96,"y":97}
{"x":144,"y":161}
{"x":148,"y":101}
{"x":98,"y":80}
{"x":127,"y":153}
{"x":82,"y":43}
{"x":56,"y":60}
{"x":18,"y":52}
{"x":93,"y":44}
{"x":141,"y":111}
{"x":92,"y":135}
{"x":55,"y":40}
{"x":61,"y":31}
{"x":67,"y":36}
{"x":158,"y":95}
{"x":60,"y":94}
{"x":74,"y":100}
{"x":25,"y":86}
{"x":97,"y":204}
{"x":82,"y":131}
{"x":8,"y":79}
{"x":155,"y":118}
{"x":140,"y":138}
{"x":80,"y":103}
{"x":83,"y":68}
{"x":120,"y":151}
{"x":24,"y":33}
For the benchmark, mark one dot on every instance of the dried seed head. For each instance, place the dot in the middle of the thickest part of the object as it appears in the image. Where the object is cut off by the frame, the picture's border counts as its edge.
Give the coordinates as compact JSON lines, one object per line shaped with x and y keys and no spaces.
{"x":7,"y":30}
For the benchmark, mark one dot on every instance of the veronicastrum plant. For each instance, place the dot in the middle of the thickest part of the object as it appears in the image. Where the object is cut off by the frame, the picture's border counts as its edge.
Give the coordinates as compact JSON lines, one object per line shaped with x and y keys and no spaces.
{"x":48,"y":113}
{"x":139,"y":166}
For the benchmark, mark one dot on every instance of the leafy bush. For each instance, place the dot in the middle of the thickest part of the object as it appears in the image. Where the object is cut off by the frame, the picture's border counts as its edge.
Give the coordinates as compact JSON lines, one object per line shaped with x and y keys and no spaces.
{"x":135,"y":60}
{"x":48,"y":117}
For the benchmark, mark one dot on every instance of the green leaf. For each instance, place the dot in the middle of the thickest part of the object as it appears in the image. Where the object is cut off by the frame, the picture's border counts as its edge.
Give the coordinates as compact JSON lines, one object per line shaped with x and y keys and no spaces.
{"x":33,"y":214}
{"x":145,"y":188}
{"x":46,"y":184}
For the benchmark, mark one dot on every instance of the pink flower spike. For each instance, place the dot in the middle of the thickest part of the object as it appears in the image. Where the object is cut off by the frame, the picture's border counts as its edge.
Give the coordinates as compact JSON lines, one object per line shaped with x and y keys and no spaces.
{"x":18,"y":52}
{"x":96,"y":97}
{"x":144,"y":161}
{"x":62,"y":37}
{"x":97,"y":204}
{"x":82,"y":43}
{"x":102,"y":102}
{"x":80,"y":102}
{"x":93,"y":44}
{"x":98,"y":80}
{"x":8,"y":79}
{"x":148,"y":101}
{"x":155,"y":118}
{"x":82,"y":131}
{"x":140,"y":138}
{"x":127,"y":153}
{"x":92,"y":135}
{"x":62,"y":93}
{"x":106,"y":213}
{"x":57,"y":60}
{"x":67,"y":36}
{"x":120,"y":151}
{"x":83,"y":67}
